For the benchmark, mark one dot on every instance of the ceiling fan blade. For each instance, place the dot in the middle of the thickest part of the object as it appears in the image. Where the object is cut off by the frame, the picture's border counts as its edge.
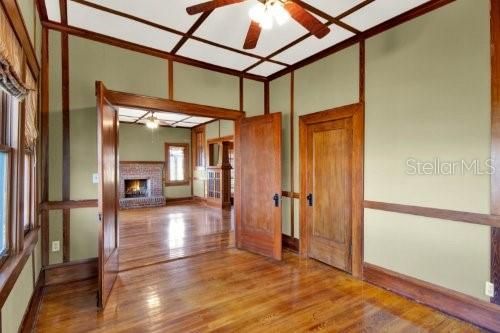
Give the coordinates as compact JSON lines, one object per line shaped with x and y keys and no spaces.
{"x":210,"y":5}
{"x":252,"y":36}
{"x":306,"y":19}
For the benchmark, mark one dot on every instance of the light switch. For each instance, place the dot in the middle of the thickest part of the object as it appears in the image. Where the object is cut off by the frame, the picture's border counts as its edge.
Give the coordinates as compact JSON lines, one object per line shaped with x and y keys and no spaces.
{"x":95,"y":178}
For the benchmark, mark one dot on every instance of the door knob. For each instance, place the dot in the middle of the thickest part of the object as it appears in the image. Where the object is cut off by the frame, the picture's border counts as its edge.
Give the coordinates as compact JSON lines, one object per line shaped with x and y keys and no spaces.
{"x":310,"y":199}
{"x":276,"y":199}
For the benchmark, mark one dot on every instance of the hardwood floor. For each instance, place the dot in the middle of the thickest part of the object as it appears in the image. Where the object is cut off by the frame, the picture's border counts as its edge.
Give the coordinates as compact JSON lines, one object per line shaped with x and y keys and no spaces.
{"x":236,"y":291}
{"x":153,"y":235}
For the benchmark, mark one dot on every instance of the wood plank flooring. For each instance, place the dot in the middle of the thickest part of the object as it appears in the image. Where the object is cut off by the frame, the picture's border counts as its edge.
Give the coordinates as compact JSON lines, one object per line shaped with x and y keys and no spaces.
{"x":236,"y":291}
{"x":153,"y":235}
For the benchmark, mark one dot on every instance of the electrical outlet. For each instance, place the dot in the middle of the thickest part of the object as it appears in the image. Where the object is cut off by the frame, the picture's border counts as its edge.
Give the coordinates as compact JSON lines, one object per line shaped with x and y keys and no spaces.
{"x":489,"y":289}
{"x":95,"y":178}
{"x":56,"y":246}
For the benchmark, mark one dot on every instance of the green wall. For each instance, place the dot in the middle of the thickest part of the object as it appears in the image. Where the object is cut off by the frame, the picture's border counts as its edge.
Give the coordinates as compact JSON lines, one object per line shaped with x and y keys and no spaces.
{"x":138,"y":143}
{"x":427,"y":97}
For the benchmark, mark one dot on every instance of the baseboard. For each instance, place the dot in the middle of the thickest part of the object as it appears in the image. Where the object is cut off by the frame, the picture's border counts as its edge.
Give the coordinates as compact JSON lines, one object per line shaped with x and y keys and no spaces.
{"x":200,"y":199}
{"x":71,"y":271}
{"x":171,"y":200}
{"x":30,"y":316}
{"x":291,"y":243}
{"x":480,"y":313}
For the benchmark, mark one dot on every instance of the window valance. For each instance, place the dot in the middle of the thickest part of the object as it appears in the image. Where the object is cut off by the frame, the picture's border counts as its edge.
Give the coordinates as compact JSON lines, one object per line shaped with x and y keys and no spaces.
{"x":11,"y":58}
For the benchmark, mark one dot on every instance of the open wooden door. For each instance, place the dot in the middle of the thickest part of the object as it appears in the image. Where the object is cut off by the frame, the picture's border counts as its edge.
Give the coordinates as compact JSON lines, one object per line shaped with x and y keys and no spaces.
{"x":258,"y":184}
{"x":107,"y":147}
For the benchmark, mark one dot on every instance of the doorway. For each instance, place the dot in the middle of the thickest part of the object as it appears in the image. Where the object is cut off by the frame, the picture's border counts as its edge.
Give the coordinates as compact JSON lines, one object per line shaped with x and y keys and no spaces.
{"x":257,"y":159}
{"x":331,"y":155}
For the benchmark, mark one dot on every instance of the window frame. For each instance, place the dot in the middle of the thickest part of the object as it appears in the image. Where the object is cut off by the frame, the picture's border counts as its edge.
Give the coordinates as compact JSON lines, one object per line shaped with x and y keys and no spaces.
{"x":186,"y":165}
{"x":8,"y":215}
{"x":32,"y":191}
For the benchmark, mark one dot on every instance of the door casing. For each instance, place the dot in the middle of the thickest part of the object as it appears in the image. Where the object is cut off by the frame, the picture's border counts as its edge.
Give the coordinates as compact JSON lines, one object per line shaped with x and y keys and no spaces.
{"x":356,"y":112}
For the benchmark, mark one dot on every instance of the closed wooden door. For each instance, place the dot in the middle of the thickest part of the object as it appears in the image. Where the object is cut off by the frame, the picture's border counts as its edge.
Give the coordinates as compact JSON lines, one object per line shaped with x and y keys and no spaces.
{"x":107,"y":146}
{"x":258,"y":167}
{"x":329,"y":178}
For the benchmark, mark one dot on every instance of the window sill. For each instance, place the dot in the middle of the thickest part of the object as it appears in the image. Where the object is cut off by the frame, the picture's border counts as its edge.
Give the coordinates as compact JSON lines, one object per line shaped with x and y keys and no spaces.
{"x":14,"y":264}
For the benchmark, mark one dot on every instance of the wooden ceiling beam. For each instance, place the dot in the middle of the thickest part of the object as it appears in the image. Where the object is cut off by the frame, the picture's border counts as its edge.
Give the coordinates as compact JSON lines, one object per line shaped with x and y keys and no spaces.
{"x":146,"y":50}
{"x":191,"y":31}
{"x":326,"y":16}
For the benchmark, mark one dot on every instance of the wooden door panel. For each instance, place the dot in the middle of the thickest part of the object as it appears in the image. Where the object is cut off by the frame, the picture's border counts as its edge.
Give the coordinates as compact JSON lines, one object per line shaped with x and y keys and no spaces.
{"x":259,"y":223}
{"x":330,"y":178}
{"x":108,"y":194}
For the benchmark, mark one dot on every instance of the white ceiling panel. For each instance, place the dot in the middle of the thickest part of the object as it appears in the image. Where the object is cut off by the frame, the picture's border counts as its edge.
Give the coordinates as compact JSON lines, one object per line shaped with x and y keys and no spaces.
{"x":380,"y":11}
{"x":334,"y":7}
{"x":266,"y":69}
{"x":215,"y":28}
{"x":170,"y":116}
{"x":112,"y":25}
{"x":313,"y":45}
{"x":215,"y":55}
{"x":127,"y":119}
{"x":199,"y":120}
{"x":185,"y":125}
{"x":131,"y":112}
{"x":53,"y":10}
{"x":167,"y":13}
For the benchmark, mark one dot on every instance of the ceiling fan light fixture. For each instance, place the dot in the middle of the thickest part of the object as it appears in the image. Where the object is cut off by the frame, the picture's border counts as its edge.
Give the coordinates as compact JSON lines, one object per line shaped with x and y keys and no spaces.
{"x":260,"y":13}
{"x":279,"y":13}
{"x":152,"y":122}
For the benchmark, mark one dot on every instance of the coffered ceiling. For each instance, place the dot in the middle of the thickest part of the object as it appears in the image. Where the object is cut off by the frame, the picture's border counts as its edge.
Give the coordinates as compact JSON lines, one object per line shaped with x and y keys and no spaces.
{"x":217,"y":37}
{"x":170,"y":119}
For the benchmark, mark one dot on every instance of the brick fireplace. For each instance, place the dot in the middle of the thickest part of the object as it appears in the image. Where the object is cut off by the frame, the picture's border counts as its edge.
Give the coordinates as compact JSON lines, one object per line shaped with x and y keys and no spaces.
{"x":141,"y":184}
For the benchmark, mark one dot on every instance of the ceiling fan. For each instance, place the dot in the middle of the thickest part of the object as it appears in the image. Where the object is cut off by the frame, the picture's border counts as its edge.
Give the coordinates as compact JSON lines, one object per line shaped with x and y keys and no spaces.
{"x":263,"y":14}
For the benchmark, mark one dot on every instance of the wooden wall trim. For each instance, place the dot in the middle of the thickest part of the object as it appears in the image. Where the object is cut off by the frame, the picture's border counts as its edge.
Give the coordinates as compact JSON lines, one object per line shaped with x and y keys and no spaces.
{"x":241,"y":93}
{"x":44,"y":143}
{"x":292,"y":152}
{"x":83,"y":33}
{"x":69,"y":204}
{"x":468,"y":308}
{"x":495,"y":144}
{"x":170,"y":79}
{"x":266,"y":98}
{"x":160,"y":104}
{"x":15,"y":17}
{"x":66,"y":167}
{"x":437,"y":213}
{"x":71,"y":271}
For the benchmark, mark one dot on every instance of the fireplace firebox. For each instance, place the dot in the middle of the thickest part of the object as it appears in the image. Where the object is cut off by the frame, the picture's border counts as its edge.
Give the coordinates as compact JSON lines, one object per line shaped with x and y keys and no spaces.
{"x":136,"y":188}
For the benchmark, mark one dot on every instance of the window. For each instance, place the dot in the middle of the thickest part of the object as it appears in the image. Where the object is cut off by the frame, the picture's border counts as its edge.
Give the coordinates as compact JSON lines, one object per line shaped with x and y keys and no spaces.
{"x":177,"y":161}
